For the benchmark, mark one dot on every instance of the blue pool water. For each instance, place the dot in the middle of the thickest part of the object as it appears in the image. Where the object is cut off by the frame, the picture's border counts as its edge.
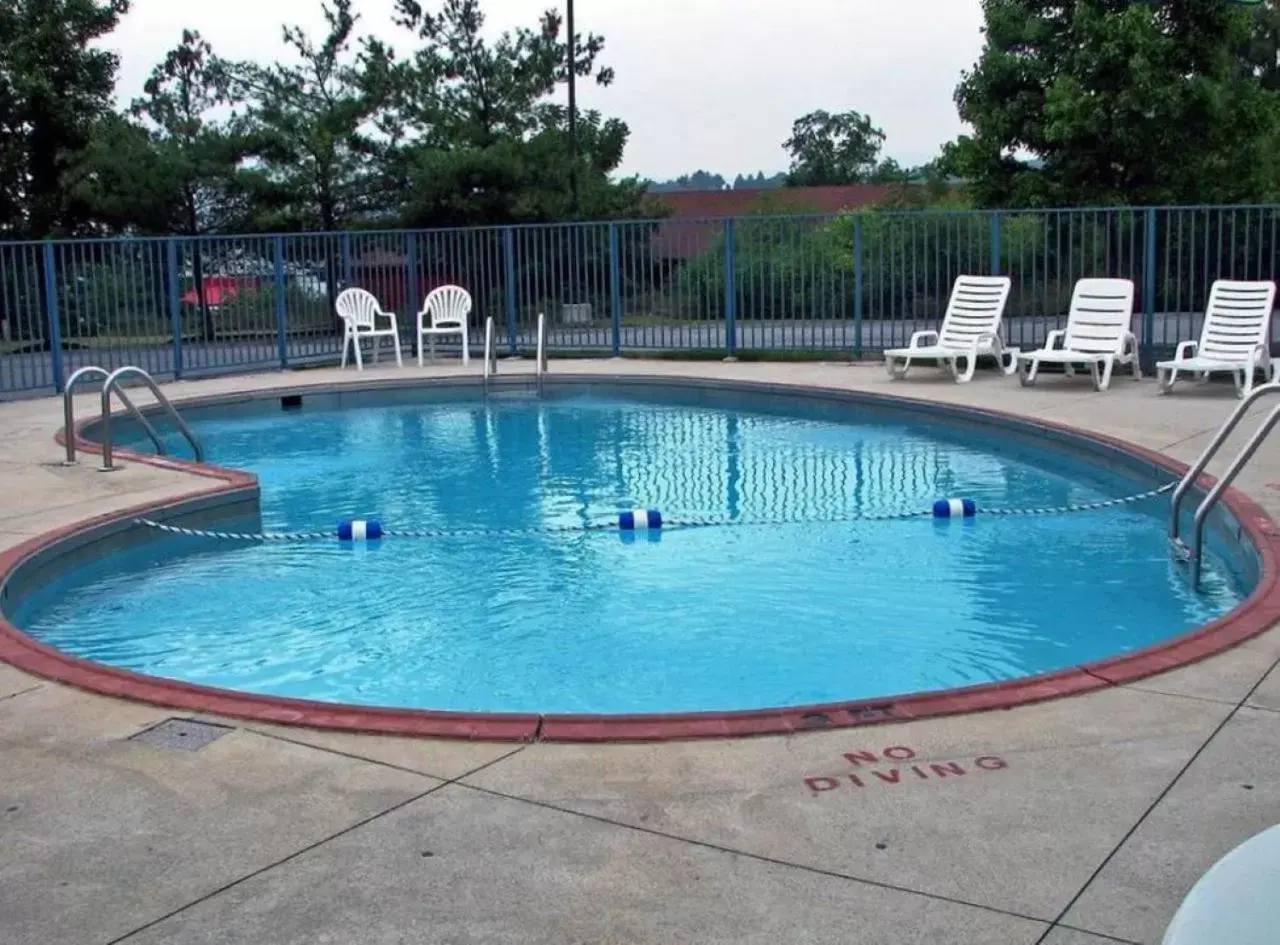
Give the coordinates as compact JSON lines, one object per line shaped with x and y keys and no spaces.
{"x":722,"y":618}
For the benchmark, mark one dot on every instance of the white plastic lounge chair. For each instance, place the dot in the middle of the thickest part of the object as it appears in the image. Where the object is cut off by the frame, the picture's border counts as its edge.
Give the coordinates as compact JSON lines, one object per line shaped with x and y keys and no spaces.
{"x":445,"y":311}
{"x":1097,"y":334}
{"x":1235,"y":339}
{"x":360,"y":311}
{"x":970,"y":330}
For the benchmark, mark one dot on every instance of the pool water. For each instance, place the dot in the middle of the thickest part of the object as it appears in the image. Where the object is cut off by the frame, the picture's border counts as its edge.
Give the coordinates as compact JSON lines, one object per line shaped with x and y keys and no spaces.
{"x":740,"y":616}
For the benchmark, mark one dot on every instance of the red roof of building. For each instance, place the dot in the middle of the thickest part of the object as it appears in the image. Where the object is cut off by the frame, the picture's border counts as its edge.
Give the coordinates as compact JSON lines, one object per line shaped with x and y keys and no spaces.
{"x":696,"y":218}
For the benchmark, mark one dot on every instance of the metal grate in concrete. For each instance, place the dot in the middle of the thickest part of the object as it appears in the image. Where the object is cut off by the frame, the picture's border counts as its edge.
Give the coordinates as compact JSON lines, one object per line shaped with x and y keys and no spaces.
{"x":181,"y":734}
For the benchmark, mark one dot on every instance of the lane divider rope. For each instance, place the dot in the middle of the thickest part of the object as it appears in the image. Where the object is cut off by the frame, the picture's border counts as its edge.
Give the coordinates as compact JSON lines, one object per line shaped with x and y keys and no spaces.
{"x":370,"y":530}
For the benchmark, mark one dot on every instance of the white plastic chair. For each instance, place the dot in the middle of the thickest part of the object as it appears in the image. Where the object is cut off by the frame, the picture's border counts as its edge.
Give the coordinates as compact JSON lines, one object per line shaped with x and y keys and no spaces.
{"x":970,"y":330}
{"x":445,"y":311}
{"x":360,"y":311}
{"x":1235,"y":339}
{"x":1234,"y":902}
{"x":1097,"y":335}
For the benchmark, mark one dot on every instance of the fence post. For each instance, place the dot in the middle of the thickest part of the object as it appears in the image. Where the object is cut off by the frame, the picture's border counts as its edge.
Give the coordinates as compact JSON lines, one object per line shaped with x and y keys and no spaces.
{"x":415,"y":263}
{"x":51,"y":313}
{"x":730,"y":295}
{"x":509,"y":257}
{"x":175,"y":302}
{"x":344,"y":254}
{"x":857,"y":287}
{"x":615,"y":291}
{"x":277,"y":253}
{"x":1146,"y":347}
{"x":995,"y":243}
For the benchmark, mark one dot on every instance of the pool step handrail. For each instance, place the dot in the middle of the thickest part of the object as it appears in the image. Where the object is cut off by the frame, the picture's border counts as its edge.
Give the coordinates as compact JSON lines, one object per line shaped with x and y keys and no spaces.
{"x":490,"y":355}
{"x":112,"y":385}
{"x":1194,"y":552}
{"x":541,"y":367}
{"x":69,"y":411}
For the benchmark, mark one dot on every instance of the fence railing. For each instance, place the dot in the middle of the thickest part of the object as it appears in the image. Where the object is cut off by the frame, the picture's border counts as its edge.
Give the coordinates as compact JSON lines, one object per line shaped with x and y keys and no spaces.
{"x":846,"y":285}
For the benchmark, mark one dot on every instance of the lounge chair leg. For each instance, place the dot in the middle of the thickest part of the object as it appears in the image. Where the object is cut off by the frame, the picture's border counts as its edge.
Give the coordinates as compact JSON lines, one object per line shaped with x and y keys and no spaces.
{"x":1166,"y":378}
{"x":1105,"y":381}
{"x":1068,"y":369}
{"x":399,"y":359}
{"x":1027,"y":371}
{"x":894,"y":371}
{"x":1137,"y":368}
{"x":971,"y":364}
{"x":346,"y":341}
{"x":355,"y":343}
{"x":1007,"y":361}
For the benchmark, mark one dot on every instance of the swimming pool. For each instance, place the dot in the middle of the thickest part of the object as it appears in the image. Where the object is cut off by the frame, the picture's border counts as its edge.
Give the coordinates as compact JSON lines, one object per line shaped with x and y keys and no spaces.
{"x":797,"y":602}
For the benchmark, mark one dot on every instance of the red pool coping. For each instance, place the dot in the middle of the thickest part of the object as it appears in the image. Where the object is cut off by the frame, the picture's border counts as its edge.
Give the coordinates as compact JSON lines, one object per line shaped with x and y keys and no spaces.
{"x":1253,"y":616}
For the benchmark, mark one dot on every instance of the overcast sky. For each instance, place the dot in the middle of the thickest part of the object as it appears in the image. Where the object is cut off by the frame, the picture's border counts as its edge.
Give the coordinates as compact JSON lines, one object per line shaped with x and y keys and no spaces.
{"x":711,"y":84}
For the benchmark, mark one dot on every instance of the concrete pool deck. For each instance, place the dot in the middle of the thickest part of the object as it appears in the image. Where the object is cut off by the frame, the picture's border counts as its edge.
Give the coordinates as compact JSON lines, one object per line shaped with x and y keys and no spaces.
{"x":1076,"y":821}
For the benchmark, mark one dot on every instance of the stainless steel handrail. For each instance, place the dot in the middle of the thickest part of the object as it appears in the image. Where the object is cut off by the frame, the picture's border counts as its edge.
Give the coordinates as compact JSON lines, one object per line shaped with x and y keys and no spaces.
{"x":541,"y":364}
{"x":1199,"y":466}
{"x":1221,"y":486}
{"x":112,"y":383}
{"x":490,"y":356}
{"x":69,"y":418}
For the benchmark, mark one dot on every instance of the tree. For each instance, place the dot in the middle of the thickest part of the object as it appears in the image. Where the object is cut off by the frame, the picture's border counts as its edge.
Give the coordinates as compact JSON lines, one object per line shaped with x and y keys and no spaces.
{"x":476,"y":139}
{"x":1262,"y":52}
{"x":698,"y":180}
{"x":310,"y":125}
{"x":55,"y":85}
{"x":1121,"y":102}
{"x":827,"y":149}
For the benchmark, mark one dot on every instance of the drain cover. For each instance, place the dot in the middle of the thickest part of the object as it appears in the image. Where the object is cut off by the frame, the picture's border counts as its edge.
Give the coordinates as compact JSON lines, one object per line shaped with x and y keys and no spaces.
{"x":181,"y":734}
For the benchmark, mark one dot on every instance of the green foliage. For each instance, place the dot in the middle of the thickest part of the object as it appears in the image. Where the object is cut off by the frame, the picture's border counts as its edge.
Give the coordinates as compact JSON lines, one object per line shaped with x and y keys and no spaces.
{"x":475,"y":138}
{"x":308,"y":121}
{"x":828,"y":149}
{"x":55,"y":85}
{"x":1123,"y":103}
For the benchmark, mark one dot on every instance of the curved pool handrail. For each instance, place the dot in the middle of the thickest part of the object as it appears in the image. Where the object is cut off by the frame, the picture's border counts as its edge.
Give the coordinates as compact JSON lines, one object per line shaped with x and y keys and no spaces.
{"x":1221,"y":486}
{"x":1211,"y":450}
{"x":112,"y":383}
{"x":69,"y":410}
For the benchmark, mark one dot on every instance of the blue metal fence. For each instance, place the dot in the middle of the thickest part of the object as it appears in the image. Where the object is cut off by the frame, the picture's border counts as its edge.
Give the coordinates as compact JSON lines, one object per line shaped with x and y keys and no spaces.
{"x":846,"y":285}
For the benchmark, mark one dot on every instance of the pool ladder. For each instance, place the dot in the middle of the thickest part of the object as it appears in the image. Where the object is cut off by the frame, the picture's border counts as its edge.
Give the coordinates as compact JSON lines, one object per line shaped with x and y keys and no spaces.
{"x":1194,"y":553}
{"x":111,"y":384}
{"x":491,"y":354}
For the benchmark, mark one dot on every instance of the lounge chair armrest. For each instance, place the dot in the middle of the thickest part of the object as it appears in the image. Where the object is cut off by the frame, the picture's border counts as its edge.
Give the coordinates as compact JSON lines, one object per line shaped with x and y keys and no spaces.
{"x":389,"y":316}
{"x":1054,"y":339}
{"x":1186,"y":349}
{"x":917,"y":338}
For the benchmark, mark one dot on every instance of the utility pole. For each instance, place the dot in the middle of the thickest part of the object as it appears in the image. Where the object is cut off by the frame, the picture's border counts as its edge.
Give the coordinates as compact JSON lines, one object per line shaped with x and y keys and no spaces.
{"x":573,"y":112}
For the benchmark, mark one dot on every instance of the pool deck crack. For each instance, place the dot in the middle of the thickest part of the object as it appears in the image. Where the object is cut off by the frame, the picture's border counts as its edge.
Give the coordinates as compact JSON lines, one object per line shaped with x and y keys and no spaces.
{"x":1195,"y":756}
{"x":226,"y":887}
{"x":352,"y":756}
{"x":21,"y":692}
{"x":746,"y":854}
